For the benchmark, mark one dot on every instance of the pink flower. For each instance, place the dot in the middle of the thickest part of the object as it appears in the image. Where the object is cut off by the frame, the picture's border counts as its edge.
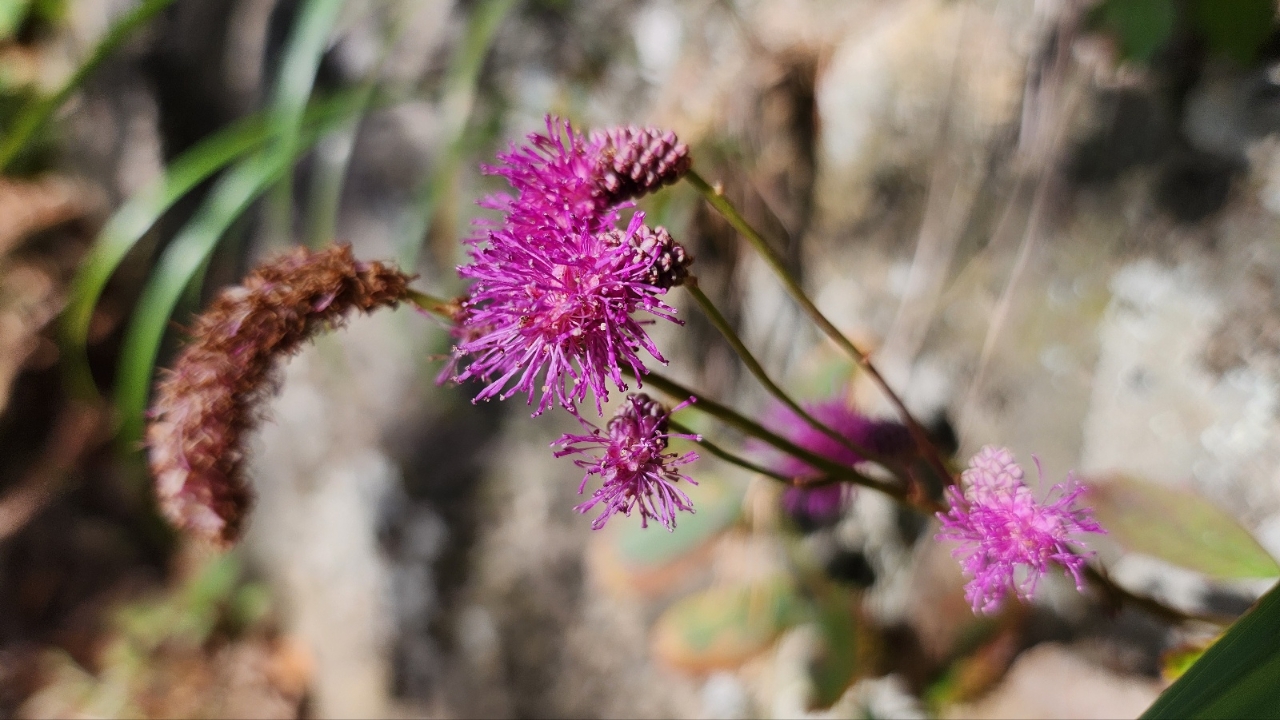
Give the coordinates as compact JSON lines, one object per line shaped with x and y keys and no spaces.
{"x":637,"y":471}
{"x":1008,"y":539}
{"x":567,"y":182}
{"x":556,"y":283}
{"x":559,"y":317}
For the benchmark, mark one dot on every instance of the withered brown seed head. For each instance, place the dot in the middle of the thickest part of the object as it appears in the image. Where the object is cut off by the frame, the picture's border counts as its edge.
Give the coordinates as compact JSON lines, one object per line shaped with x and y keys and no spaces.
{"x":208,"y":401}
{"x":636,"y":161}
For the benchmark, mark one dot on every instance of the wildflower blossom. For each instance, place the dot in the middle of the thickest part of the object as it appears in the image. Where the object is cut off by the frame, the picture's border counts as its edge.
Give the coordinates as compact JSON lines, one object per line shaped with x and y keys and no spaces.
{"x":566,"y":182}
{"x":558,"y":317}
{"x":208,"y":401}
{"x":1008,"y":539}
{"x":637,"y":471}
{"x":556,"y":282}
{"x":822,"y":504}
{"x":559,"y":187}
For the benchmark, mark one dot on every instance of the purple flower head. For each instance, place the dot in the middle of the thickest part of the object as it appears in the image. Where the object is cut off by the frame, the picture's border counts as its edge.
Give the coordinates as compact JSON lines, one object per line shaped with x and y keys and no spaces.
{"x":636,"y":161}
{"x":637,"y":471}
{"x":883,"y":436}
{"x":1008,"y":539}
{"x":566,"y":182}
{"x":558,"y":317}
{"x":817,"y":506}
{"x":821,"y":504}
{"x":559,"y":186}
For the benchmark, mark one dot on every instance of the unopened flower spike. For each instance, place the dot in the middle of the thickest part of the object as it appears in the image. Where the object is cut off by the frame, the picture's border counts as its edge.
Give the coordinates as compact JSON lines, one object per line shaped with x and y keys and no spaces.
{"x":637,"y":161}
{"x":210,"y":398}
{"x":631,"y":459}
{"x":1008,"y":539}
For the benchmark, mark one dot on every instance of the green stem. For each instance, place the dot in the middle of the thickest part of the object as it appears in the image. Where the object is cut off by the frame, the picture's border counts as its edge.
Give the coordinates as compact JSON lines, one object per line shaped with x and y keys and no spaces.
{"x":753,"y":365}
{"x":1120,"y":595}
{"x":735,"y":420}
{"x":730,"y":457}
{"x":37,"y":113}
{"x":446,"y":309}
{"x":715,"y":196}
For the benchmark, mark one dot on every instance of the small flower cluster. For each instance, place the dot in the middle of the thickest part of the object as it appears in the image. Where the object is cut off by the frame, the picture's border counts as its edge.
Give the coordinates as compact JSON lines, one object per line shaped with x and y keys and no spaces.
{"x":207,"y":402}
{"x":556,"y":287}
{"x":636,"y":470}
{"x":1008,"y":538}
{"x":556,"y":282}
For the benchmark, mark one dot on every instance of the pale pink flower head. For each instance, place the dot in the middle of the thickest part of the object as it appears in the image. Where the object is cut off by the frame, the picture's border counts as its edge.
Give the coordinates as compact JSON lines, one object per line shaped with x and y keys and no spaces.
{"x":631,"y":459}
{"x":1007,"y":538}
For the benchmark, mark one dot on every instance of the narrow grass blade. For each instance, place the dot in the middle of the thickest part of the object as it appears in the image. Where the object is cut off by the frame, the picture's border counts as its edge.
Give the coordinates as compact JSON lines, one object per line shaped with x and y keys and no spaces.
{"x":458,"y":101}
{"x":293,"y":88}
{"x":132,"y":221}
{"x":39,"y":112}
{"x":1238,"y":677}
{"x":232,"y":195}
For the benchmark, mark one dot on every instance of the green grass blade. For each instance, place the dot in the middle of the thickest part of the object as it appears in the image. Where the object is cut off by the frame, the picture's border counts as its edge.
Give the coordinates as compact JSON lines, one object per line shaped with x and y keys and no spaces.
{"x":38,"y":113}
{"x":325,"y":194}
{"x":232,"y":195}
{"x":293,"y":88}
{"x":132,"y":221}
{"x":1238,"y":677}
{"x":12,"y":13}
{"x":459,"y":99}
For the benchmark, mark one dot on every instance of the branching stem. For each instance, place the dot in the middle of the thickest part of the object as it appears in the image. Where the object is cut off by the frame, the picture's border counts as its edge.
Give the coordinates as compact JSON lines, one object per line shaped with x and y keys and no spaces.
{"x":715,"y":196}
{"x":757,"y":370}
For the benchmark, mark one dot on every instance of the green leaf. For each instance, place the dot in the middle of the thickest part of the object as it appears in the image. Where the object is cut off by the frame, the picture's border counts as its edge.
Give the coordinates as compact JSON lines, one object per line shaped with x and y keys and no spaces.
{"x":717,"y":505}
{"x":1178,"y":527}
{"x":132,"y":221}
{"x":38,"y":113}
{"x":1238,"y":677}
{"x":1141,"y":27}
{"x":298,"y":66}
{"x":1235,"y":28}
{"x":723,"y":627}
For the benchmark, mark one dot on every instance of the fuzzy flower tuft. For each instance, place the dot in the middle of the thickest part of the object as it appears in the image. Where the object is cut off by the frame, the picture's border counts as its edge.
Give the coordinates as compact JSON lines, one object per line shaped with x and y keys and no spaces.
{"x":558,"y":179}
{"x":559,"y":317}
{"x":1008,"y":539}
{"x":556,"y":282}
{"x":209,"y":400}
{"x":632,"y":461}
{"x":566,"y":182}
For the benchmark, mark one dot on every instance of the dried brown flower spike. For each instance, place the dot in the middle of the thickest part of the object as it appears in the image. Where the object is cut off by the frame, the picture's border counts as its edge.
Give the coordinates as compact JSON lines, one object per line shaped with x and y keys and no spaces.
{"x":206,"y":403}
